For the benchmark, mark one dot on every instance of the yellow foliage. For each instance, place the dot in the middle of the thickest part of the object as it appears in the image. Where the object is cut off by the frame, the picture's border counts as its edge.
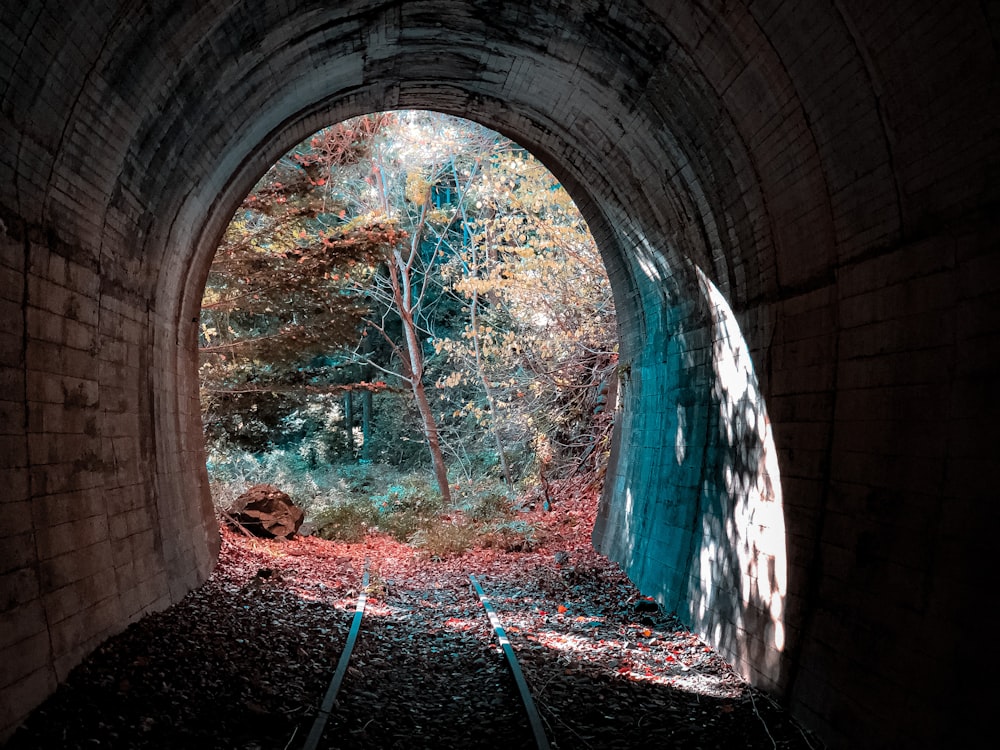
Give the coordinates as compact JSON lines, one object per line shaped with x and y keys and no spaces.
{"x":418,"y":189}
{"x":453,"y":379}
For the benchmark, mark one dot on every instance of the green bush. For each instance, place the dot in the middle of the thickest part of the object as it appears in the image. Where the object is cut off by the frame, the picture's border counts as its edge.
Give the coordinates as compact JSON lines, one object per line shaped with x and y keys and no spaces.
{"x":344,"y":502}
{"x":445,"y":540}
{"x":511,"y":536}
{"x":358,"y":479}
{"x":407,"y":508}
{"x":414,"y":495}
{"x":232,"y":470}
{"x":489,"y":505}
{"x":345,"y":522}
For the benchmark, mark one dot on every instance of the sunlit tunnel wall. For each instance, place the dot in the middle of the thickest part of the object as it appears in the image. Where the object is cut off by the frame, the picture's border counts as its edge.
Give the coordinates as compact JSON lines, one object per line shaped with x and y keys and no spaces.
{"x":693,"y":506}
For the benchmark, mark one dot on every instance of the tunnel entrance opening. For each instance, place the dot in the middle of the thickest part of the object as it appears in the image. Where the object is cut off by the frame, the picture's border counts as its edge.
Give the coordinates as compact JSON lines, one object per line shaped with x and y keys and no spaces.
{"x":731,"y":572}
{"x":396,"y":283}
{"x":734,"y":531}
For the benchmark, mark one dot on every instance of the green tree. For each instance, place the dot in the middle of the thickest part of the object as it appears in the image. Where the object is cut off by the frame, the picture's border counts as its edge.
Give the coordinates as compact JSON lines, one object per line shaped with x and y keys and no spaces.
{"x":420,"y":173}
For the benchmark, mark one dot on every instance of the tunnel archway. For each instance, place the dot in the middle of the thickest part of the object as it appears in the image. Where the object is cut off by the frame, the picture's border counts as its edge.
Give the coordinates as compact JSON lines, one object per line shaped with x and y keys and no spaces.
{"x":829,"y":172}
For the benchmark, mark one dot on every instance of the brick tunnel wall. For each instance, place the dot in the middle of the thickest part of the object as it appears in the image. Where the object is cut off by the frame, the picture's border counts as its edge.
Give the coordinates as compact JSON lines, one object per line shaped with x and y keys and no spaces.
{"x":796,"y":203}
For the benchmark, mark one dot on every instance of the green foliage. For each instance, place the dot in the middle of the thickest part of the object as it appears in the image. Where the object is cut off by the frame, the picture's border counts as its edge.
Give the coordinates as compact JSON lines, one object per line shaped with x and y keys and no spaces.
{"x":512,"y":535}
{"x":345,"y":502}
{"x":407,"y":508}
{"x":540,"y":333}
{"x":233,"y":470}
{"x":486,"y":518}
{"x":441,"y":541}
{"x":278,"y":305}
{"x":485,"y":500}
{"x":348,"y":521}
{"x":490,"y":505}
{"x":396,"y":435}
{"x":415,"y":496}
{"x":360,"y":480}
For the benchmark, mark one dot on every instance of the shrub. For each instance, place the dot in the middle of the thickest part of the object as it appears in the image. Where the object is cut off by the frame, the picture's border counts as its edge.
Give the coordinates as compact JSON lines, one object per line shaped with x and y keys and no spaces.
{"x":345,"y":502}
{"x":444,"y":540}
{"x":489,"y":505}
{"x":360,"y":479}
{"x":232,"y":470}
{"x":413,"y":495}
{"x":511,"y":535}
{"x":224,"y":494}
{"x":345,"y":522}
{"x":406,"y":508}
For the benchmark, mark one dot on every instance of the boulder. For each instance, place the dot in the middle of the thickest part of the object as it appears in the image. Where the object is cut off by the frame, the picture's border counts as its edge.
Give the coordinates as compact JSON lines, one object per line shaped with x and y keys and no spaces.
{"x":267,"y":512}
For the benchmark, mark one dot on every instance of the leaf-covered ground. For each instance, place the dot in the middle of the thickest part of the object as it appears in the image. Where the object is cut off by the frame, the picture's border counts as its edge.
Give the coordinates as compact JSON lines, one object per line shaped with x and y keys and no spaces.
{"x":244,"y":661}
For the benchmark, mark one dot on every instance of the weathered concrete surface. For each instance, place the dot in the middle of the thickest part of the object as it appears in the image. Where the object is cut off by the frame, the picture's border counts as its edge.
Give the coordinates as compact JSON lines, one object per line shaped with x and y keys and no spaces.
{"x":797,"y":204}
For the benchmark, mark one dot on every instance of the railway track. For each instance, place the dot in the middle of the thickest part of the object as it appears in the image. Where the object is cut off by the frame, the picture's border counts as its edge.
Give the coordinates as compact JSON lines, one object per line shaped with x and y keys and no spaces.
{"x":320,"y":737}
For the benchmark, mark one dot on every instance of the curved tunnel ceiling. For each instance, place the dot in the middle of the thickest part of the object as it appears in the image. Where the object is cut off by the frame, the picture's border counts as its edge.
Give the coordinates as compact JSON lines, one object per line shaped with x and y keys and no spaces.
{"x":656,"y":127}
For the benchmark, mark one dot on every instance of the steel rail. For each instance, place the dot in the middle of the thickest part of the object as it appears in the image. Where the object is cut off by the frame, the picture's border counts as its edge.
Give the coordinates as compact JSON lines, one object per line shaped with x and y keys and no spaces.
{"x":319,"y":724}
{"x":522,"y":685}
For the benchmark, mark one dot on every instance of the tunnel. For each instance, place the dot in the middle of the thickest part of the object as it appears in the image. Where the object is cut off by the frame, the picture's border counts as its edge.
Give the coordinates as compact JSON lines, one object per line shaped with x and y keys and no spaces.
{"x":797,"y":206}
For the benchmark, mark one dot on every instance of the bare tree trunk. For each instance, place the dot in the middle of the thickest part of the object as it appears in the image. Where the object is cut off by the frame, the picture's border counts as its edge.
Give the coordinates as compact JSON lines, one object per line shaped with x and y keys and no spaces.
{"x":349,"y":420}
{"x":433,"y":442}
{"x":416,"y":357}
{"x":401,"y":282}
{"x":366,"y":426}
{"x":407,"y":305}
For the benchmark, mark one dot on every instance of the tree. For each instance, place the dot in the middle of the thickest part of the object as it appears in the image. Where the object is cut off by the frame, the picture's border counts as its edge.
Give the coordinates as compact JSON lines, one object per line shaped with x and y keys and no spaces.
{"x":428,"y":153}
{"x":544,"y":342}
{"x":278,"y":301}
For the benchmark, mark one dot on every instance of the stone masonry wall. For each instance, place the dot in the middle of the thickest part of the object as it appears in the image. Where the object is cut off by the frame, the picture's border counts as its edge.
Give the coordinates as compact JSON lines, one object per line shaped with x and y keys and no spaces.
{"x":796,"y":203}
{"x":83,"y":543}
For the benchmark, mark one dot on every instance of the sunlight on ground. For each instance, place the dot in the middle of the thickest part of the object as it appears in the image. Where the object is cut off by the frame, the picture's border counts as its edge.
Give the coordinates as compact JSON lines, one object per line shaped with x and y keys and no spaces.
{"x":754,"y":523}
{"x":634,"y":652}
{"x":462,"y":624}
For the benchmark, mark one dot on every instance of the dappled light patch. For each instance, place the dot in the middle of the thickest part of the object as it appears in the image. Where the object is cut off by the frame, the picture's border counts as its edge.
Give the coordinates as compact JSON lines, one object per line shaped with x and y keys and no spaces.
{"x":463,"y":623}
{"x":742,"y":564}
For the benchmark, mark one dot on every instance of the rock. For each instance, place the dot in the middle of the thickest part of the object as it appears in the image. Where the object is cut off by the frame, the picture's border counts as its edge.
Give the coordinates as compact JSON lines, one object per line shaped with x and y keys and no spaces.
{"x":266,"y":511}
{"x":646,"y":605}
